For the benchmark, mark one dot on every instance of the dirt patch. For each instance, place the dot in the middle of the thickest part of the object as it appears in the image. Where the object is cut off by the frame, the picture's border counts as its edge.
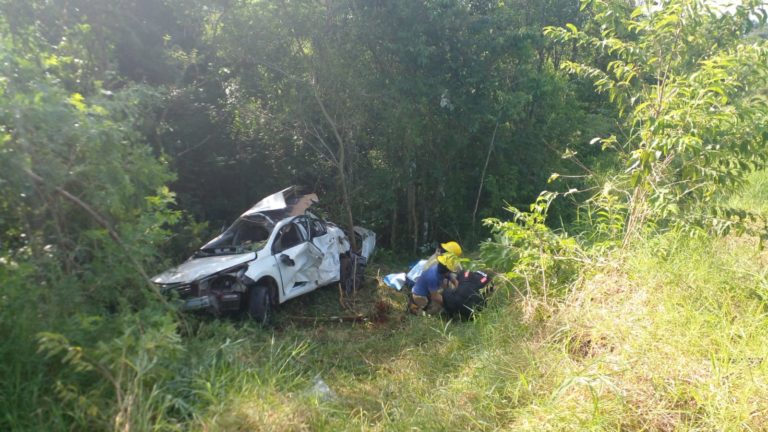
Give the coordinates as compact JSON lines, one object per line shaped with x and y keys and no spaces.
{"x":381,"y":312}
{"x":582,"y":346}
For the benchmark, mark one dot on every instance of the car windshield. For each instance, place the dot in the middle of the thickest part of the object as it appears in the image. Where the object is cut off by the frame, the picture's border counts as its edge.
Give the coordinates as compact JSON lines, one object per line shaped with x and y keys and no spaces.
{"x":247,"y":234}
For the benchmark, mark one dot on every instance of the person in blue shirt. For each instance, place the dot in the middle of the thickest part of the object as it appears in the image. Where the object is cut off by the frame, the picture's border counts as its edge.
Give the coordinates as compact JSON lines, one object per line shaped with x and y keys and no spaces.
{"x":426,"y":294}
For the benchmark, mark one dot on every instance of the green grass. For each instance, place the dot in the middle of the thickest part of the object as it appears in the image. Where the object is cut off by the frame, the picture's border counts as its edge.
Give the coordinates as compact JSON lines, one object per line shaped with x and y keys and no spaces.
{"x":667,"y":337}
{"x":755,"y":195}
{"x":670,"y":335}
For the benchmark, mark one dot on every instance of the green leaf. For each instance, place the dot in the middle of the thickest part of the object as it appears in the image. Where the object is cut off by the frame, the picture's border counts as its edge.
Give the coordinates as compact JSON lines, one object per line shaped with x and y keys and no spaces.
{"x":76,"y":99}
{"x":667,"y":21}
{"x":5,"y":138}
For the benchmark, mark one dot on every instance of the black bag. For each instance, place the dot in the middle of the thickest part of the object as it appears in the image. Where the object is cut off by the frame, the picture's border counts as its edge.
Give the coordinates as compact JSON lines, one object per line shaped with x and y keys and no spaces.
{"x":469,"y":296}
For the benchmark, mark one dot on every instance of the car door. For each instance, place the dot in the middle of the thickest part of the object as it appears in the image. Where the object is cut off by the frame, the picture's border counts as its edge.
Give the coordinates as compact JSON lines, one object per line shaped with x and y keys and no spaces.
{"x":297,"y":258}
{"x":328,"y":245}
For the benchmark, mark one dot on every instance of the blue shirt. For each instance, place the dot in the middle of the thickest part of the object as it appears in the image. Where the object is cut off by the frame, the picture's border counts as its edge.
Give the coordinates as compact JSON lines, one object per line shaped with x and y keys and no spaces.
{"x":428,"y":282}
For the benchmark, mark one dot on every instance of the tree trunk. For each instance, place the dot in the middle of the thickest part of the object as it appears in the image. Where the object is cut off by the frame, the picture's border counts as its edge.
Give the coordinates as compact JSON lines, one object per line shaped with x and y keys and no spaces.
{"x":346,"y":200}
{"x":341,"y":164}
{"x":393,"y":227}
{"x":413,"y":219}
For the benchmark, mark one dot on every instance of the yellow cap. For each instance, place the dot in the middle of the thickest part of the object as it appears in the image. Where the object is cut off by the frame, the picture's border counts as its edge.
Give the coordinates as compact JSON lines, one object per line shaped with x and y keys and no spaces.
{"x":449,"y":260}
{"x":452,"y":247}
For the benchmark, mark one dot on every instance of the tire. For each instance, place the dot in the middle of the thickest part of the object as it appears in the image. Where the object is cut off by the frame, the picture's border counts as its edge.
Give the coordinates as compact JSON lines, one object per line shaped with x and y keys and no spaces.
{"x":260,"y":304}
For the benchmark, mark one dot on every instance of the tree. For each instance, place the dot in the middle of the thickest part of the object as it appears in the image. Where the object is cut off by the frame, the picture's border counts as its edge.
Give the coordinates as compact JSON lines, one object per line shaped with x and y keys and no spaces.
{"x":400,"y":100}
{"x":83,"y":211}
{"x":690,"y":89}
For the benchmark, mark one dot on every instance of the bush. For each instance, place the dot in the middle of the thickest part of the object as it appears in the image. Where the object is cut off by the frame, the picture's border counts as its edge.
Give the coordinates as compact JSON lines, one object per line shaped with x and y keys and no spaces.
{"x":529,"y":252}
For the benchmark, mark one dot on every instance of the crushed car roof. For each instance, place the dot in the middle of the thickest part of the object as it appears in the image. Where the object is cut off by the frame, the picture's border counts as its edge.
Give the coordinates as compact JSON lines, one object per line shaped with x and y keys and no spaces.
{"x":266,"y":213}
{"x":280,"y":205}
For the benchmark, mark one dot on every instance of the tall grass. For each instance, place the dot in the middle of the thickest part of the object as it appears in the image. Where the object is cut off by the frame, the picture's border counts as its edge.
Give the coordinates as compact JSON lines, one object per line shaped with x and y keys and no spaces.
{"x":670,"y":335}
{"x":755,"y":196}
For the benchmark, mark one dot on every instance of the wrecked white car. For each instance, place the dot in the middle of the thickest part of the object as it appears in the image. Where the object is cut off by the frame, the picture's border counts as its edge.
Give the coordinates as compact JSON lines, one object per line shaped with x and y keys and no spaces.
{"x":273,"y":252}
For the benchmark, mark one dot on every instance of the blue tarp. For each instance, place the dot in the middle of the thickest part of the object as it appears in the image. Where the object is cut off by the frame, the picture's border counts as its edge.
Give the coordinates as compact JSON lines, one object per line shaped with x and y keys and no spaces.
{"x":399,"y":280}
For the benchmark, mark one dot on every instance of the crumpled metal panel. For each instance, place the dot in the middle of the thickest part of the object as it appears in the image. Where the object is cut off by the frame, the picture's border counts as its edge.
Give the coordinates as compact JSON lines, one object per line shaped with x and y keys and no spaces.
{"x":286,"y":203}
{"x":334,"y":244}
{"x":368,"y":243}
{"x":192,"y":270}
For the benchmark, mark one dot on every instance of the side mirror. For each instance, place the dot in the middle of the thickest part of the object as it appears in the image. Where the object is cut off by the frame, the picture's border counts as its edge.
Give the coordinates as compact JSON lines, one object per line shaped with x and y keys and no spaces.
{"x":286,"y":260}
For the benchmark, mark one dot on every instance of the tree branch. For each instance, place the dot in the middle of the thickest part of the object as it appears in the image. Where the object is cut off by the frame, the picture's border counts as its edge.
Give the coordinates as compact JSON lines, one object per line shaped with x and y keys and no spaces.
{"x":106,"y":225}
{"x":482,"y":175}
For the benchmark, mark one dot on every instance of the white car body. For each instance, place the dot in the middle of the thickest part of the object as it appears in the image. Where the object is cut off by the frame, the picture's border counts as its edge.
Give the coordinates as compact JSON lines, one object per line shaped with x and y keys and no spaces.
{"x":277,"y":244}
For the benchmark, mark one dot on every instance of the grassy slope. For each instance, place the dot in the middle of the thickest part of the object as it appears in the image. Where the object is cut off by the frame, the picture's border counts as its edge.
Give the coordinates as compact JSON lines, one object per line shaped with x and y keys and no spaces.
{"x":670,"y":336}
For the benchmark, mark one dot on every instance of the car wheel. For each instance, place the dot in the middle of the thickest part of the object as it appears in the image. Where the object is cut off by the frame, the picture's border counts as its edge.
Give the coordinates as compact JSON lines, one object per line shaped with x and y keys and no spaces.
{"x":260,"y":304}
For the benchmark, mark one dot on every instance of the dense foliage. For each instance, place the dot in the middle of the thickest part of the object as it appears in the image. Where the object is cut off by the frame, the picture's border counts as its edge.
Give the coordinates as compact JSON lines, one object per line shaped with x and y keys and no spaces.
{"x":131,"y":129}
{"x":690,"y":88}
{"x":403,"y":114}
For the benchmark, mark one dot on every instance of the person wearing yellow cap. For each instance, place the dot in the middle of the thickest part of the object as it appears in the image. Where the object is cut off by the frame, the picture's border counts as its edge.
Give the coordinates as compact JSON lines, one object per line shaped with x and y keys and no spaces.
{"x":427,"y":292}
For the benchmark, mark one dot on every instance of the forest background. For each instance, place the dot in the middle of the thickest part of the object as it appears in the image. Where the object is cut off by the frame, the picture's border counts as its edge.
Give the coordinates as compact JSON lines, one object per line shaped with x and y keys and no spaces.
{"x":131,"y":130}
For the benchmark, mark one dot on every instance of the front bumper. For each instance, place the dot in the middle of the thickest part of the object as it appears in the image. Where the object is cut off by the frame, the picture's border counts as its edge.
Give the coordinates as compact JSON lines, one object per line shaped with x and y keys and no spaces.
{"x":216,"y":303}
{"x":194,"y":297}
{"x":188,"y":297}
{"x":198,"y":303}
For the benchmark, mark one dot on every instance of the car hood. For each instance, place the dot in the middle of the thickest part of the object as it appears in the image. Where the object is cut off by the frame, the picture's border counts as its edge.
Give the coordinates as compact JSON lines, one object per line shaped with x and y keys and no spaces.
{"x":197,"y":268}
